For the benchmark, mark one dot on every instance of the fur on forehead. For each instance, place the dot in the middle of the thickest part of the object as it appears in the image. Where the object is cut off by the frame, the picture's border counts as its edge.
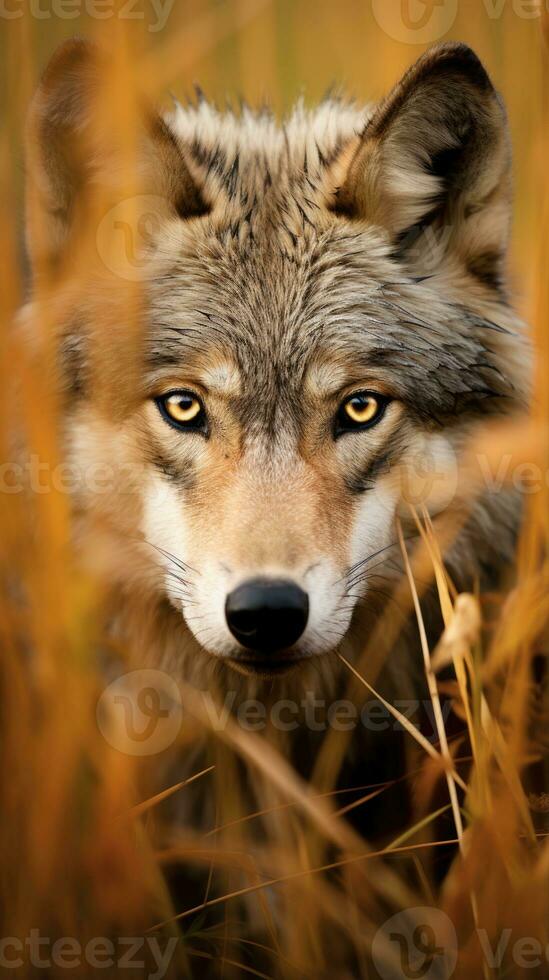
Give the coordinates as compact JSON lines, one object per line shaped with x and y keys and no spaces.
{"x":307,"y":233}
{"x":306,"y":140}
{"x":256,"y":173}
{"x":344,"y":303}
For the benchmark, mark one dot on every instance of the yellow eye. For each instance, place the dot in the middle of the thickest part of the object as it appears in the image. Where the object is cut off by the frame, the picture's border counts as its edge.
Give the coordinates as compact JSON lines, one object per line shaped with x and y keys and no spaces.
{"x":361,"y":411}
{"x":182,"y":409}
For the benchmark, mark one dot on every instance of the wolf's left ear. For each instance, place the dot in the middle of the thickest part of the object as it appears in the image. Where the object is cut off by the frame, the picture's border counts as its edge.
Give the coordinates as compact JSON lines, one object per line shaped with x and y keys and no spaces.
{"x":74,"y":142}
{"x":433,"y":165}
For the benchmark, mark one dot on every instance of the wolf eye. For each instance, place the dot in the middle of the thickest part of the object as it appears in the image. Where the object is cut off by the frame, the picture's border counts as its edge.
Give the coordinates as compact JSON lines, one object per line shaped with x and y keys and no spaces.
{"x":183,"y":410}
{"x":361,"y":411}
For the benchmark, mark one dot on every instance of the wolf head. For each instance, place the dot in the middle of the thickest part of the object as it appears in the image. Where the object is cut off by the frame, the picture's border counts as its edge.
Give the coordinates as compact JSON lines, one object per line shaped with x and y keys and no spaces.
{"x":323,"y":319}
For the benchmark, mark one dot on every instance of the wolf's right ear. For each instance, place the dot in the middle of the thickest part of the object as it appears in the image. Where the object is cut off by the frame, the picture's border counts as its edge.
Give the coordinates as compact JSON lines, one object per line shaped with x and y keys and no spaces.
{"x":73,"y":144}
{"x":436,"y":155}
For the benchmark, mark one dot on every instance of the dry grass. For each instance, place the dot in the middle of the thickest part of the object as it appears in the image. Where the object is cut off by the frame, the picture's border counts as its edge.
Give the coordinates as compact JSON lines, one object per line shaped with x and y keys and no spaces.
{"x":81,"y":851}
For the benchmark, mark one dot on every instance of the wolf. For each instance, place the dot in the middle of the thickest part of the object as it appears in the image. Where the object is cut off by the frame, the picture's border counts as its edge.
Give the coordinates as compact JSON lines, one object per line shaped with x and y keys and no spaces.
{"x":323,"y":311}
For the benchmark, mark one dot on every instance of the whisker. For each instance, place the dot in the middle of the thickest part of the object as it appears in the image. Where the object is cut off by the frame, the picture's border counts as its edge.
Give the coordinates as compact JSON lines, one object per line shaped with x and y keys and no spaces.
{"x":177,"y":561}
{"x":364,"y":561}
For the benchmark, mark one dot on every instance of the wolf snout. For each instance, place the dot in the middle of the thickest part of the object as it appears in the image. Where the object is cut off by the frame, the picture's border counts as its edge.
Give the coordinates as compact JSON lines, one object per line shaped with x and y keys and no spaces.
{"x":266,"y":615}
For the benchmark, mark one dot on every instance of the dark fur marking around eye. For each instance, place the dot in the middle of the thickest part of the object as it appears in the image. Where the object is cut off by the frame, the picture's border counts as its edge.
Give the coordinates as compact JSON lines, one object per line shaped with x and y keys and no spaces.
{"x":182,"y":479}
{"x":364,"y":481}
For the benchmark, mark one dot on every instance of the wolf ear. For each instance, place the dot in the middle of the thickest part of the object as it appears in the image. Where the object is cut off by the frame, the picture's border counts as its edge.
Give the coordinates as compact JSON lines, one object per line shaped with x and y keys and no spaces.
{"x":72,"y":149}
{"x":433,"y":165}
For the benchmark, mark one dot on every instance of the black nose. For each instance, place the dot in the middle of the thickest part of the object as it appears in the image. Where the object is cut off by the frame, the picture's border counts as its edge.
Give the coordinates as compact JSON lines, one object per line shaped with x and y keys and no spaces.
{"x":267,"y":614}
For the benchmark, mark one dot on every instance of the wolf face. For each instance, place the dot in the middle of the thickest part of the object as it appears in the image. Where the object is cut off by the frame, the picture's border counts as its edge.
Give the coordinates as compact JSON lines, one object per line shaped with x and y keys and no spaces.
{"x":324,"y":320}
